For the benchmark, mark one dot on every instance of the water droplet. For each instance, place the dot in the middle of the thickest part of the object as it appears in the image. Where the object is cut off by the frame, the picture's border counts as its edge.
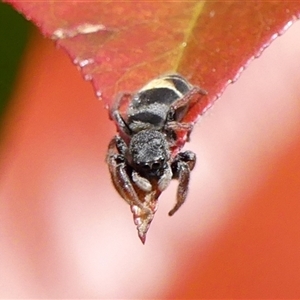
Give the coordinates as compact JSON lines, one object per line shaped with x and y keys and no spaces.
{"x":274,"y":36}
{"x":99,"y":94}
{"x":212,"y":13}
{"x":85,"y":62}
{"x":59,"y":33}
{"x":88,"y":77}
{"x":286,"y":27}
{"x":87,"y":28}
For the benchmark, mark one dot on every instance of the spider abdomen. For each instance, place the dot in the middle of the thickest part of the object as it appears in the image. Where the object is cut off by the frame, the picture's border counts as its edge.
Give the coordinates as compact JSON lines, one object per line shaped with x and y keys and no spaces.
{"x":150,"y":105}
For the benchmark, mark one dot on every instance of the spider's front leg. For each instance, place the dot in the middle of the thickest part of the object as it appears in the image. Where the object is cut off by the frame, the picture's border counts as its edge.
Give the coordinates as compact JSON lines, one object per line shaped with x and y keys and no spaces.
{"x":182,"y":166}
{"x":118,"y":169}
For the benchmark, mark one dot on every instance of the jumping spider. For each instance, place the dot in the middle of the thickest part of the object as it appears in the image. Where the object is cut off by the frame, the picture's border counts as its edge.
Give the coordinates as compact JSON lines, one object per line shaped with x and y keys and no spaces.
{"x":144,"y":156}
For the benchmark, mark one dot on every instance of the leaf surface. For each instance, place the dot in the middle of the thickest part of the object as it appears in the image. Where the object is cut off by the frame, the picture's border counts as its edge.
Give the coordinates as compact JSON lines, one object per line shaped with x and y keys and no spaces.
{"x":122,"y":45}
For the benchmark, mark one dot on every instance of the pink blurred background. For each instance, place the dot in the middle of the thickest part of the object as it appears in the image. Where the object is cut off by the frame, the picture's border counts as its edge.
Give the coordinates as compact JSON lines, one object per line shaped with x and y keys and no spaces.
{"x":65,"y":232}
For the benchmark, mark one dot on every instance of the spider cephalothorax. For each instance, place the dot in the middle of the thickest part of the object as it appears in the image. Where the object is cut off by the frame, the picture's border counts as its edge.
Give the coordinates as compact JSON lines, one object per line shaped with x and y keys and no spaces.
{"x":144,"y":156}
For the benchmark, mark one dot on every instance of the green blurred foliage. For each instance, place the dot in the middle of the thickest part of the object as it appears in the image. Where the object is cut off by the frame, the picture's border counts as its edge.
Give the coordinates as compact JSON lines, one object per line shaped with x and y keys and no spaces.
{"x":14,"y":33}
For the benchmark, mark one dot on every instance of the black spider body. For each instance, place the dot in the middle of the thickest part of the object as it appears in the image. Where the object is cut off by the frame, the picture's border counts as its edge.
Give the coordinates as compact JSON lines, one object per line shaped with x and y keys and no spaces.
{"x":145,"y":155}
{"x":150,"y":107}
{"x":149,"y":153}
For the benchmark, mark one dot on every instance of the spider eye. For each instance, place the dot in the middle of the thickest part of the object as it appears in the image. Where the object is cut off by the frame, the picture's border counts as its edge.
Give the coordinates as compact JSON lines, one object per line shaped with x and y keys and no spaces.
{"x":146,"y":167}
{"x":156,"y":165}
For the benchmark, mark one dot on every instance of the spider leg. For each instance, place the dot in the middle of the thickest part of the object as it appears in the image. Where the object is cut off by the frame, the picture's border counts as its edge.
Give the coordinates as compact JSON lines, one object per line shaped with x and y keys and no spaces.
{"x":120,"y":144}
{"x":143,"y":183}
{"x":182,"y":166}
{"x":179,"y":109}
{"x":165,"y":179}
{"x":119,"y":172}
{"x":120,"y":100}
{"x":180,"y":106}
{"x":176,"y":126}
{"x":175,"y":129}
{"x":115,"y":114}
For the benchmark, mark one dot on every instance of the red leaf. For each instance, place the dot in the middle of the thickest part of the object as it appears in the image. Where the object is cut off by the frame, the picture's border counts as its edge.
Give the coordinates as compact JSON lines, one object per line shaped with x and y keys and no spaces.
{"x":120,"y":46}
{"x":65,"y":232}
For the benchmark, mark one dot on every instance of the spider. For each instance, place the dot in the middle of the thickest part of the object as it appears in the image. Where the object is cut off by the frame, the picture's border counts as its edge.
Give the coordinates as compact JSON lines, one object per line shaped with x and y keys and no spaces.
{"x":145,"y":154}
